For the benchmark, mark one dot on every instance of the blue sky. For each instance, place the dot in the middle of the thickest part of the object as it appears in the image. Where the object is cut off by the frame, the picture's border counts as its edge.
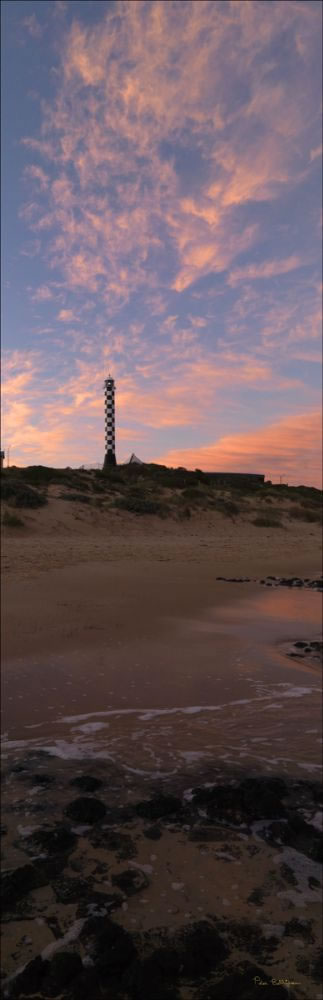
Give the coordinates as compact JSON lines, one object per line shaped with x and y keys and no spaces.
{"x":162,"y":221}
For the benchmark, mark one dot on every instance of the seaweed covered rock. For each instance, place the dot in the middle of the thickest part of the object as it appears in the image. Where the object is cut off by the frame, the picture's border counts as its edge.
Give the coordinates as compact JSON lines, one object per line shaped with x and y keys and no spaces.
{"x":253,"y":798}
{"x":55,"y":840}
{"x":63,"y":969}
{"x":159,"y":807}
{"x":110,"y":947}
{"x":201,"y":949}
{"x":86,"y":783}
{"x":85,"y":810}
{"x":31,"y":980}
{"x":18,"y":882}
{"x":131,"y":881}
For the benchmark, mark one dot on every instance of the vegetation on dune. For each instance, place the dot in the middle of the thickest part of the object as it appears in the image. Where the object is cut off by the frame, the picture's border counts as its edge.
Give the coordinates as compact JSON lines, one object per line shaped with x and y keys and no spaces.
{"x":12,"y":520}
{"x":77,"y":497}
{"x":18,"y":494}
{"x":136,"y":504}
{"x":157,"y":490}
{"x":267,"y":522}
{"x":306,"y":513}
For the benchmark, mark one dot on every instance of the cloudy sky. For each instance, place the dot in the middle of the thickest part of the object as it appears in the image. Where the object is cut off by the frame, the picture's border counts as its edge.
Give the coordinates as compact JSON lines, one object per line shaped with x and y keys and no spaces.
{"x":162,"y":222}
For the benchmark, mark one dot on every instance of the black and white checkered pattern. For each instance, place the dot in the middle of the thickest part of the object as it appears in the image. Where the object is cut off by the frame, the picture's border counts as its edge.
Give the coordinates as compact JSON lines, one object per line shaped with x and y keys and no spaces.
{"x":109,"y":391}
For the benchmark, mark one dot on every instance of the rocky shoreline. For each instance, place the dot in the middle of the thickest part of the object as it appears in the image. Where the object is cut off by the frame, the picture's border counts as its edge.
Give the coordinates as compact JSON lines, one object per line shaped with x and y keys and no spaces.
{"x":209,"y":958}
{"x":278,"y":581}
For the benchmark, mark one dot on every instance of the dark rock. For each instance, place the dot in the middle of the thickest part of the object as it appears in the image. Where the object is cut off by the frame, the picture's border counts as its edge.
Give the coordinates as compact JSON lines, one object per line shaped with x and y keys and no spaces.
{"x":58,"y":840}
{"x":201,"y":950}
{"x":157,"y":975}
{"x":86,"y":986}
{"x":111,"y":947}
{"x":299,"y":928}
{"x":311,"y":965}
{"x":313,"y":883}
{"x":86,"y":783}
{"x":152,"y":832}
{"x":85,"y":810}
{"x":287,"y":874}
{"x":31,"y":979}
{"x":117,"y":816}
{"x":254,"y":798}
{"x":130,"y":881}
{"x":262,"y":797}
{"x":52,"y":866}
{"x":42,"y":779}
{"x":71,"y":890}
{"x":256,"y":896}
{"x":159,"y":807}
{"x":206,"y":834}
{"x":121,"y":844}
{"x":300,"y":645}
{"x":18,"y":883}
{"x":247,"y":937}
{"x":64,"y":967}
{"x":297,"y":834}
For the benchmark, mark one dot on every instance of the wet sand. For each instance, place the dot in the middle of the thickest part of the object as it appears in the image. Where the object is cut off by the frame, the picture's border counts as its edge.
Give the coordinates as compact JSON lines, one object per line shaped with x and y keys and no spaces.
{"x":147,"y":674}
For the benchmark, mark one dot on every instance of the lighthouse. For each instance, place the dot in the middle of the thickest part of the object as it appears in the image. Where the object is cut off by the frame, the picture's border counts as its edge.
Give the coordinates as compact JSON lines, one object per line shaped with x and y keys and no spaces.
{"x":109,"y":410}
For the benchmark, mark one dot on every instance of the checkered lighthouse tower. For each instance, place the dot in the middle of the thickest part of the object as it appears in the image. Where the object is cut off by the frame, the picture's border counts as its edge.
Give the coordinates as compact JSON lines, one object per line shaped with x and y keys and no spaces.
{"x":109,"y":407}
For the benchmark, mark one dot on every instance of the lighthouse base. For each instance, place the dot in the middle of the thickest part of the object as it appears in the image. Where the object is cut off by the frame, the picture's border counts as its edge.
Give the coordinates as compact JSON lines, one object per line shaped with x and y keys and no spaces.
{"x":109,"y":459}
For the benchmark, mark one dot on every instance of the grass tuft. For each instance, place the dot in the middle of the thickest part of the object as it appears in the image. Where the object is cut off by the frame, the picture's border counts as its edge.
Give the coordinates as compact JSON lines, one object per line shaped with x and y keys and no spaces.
{"x":267,"y":522}
{"x":306,"y":514}
{"x":12,"y":520}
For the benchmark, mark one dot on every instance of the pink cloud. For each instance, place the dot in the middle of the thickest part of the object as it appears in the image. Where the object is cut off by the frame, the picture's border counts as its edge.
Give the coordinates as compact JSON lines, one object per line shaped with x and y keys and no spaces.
{"x":267,"y":269}
{"x":42,"y":294}
{"x":148,"y":102}
{"x":38,"y":174}
{"x":316,"y":152}
{"x":67,"y":316}
{"x":290,"y":447}
{"x":33,"y":26}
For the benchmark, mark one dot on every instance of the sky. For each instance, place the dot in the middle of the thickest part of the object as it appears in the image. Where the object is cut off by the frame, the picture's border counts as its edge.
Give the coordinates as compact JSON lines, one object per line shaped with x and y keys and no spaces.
{"x":161,"y":197}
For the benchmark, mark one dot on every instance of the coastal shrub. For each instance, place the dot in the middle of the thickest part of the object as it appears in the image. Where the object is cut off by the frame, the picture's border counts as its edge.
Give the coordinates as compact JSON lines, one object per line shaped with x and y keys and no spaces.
{"x":77,"y":497}
{"x":20,"y":495}
{"x":227,"y":507}
{"x":305,"y":514}
{"x":195,"y":494}
{"x":11,"y":520}
{"x":184,"y":513}
{"x":141,"y":505}
{"x":267,"y":522}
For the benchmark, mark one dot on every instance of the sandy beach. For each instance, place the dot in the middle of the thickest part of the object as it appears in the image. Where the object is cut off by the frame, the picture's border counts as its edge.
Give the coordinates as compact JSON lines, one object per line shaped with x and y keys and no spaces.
{"x":127,"y":662}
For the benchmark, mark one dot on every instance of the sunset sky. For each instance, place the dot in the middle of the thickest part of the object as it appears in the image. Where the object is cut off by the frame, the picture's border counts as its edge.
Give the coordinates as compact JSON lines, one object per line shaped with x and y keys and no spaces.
{"x":162,"y":222}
